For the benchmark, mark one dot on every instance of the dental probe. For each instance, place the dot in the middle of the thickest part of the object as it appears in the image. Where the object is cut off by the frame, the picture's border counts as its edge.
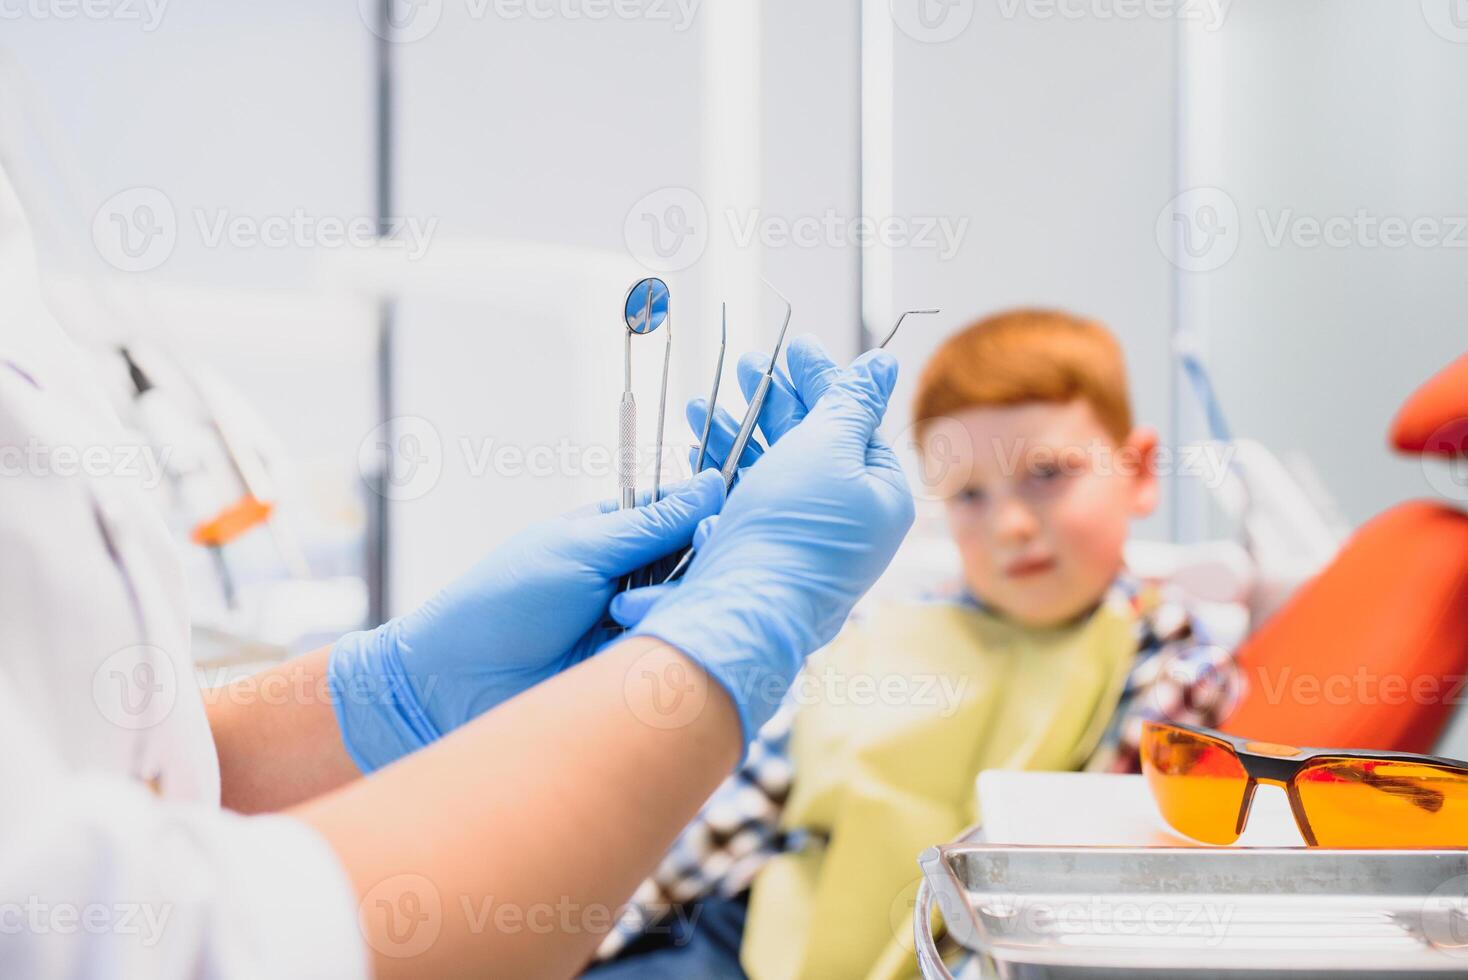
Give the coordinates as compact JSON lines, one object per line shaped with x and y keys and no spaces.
{"x":713,"y":402}
{"x":751,"y":414}
{"x":893,"y":332}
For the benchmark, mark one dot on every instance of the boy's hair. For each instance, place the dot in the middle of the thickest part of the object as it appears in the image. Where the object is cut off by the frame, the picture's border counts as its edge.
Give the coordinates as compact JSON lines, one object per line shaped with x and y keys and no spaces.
{"x":1026,"y":356}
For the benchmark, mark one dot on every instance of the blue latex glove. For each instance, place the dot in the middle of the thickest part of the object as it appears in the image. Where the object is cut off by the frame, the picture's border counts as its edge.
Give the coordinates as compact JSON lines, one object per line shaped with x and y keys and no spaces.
{"x":532,"y":608}
{"x":805,"y":532}
{"x":782,"y":411}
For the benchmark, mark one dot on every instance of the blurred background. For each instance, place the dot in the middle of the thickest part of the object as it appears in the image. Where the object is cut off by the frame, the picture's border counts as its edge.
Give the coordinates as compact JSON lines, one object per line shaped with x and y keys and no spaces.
{"x":374,"y":251}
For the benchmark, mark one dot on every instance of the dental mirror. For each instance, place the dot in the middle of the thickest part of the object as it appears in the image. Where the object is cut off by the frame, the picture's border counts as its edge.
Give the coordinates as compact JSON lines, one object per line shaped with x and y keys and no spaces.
{"x":647,"y":306}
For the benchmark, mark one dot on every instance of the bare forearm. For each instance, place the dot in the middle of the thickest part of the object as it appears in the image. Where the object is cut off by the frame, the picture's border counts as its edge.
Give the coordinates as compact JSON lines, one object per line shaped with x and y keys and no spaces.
{"x":522,"y":833}
{"x":277,"y":737}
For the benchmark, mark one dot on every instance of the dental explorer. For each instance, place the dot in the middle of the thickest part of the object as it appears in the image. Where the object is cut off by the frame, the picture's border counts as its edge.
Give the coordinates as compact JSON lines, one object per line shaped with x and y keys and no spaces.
{"x":713,"y":402}
{"x":751,"y":414}
{"x":755,"y":404}
{"x":893,"y":332}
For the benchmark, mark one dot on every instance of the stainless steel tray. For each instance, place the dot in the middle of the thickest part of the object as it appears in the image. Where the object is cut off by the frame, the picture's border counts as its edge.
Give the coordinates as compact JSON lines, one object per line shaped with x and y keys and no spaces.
{"x":1205,"y":913}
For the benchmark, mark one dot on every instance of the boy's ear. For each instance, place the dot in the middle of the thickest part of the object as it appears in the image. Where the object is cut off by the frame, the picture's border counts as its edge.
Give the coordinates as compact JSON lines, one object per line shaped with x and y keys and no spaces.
{"x":1141,"y":446}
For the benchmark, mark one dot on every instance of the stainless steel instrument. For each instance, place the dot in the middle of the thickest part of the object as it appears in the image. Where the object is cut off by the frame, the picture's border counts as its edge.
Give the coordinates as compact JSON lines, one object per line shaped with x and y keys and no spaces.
{"x":644,"y":310}
{"x":893,"y":332}
{"x":757,"y":401}
{"x":713,"y":401}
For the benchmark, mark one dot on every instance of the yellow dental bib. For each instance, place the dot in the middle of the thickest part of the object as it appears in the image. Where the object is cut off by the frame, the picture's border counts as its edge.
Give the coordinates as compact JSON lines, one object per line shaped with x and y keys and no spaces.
{"x":897,"y":717}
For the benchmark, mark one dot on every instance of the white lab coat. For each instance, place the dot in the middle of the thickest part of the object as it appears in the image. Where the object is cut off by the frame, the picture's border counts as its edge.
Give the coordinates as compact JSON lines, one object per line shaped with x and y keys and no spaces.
{"x":115,"y":858}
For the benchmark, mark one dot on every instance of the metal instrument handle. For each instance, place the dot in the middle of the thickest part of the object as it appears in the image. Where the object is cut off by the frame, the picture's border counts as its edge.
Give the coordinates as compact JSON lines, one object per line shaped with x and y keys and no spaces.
{"x":681,"y":567}
{"x":731,"y":465}
{"x":627,"y":449}
{"x":746,"y":429}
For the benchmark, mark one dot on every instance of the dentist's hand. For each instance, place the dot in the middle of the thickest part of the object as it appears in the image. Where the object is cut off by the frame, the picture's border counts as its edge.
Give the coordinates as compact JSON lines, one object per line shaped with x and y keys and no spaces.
{"x":805,"y":532}
{"x":532,"y":608}
{"x":782,"y":411}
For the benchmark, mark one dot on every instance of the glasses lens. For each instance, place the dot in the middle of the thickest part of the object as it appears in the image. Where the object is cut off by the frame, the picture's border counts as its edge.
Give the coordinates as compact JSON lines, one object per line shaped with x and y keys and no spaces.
{"x":1197,"y":781}
{"x":1381,"y":803}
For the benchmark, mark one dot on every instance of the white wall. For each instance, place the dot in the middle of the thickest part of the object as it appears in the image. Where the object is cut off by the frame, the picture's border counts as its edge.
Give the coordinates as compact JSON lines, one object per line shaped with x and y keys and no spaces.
{"x":1054,"y":139}
{"x":1051,"y":140}
{"x":556,"y":132}
{"x":543,"y":132}
{"x":529,"y":145}
{"x":225,"y":113}
{"x":230,"y":112}
{"x":1313,"y":110}
{"x":812,"y":144}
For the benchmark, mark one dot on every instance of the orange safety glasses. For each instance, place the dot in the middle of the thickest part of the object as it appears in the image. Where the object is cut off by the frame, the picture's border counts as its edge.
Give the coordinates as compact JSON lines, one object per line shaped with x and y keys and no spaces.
{"x":1204,"y":785}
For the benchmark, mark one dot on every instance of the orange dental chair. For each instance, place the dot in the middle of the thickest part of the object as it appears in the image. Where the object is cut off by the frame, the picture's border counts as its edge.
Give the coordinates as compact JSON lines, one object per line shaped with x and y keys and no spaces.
{"x":1373,"y":651}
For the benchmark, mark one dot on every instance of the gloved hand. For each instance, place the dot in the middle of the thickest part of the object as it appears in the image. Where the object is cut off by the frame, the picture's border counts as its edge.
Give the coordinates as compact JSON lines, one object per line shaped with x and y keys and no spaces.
{"x":782,"y":411}
{"x":805,"y":532}
{"x":532,"y":608}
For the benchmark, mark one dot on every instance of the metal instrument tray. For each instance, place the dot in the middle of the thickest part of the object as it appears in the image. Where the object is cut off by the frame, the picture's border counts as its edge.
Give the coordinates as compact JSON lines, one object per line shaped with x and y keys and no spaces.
{"x":1033,"y":912}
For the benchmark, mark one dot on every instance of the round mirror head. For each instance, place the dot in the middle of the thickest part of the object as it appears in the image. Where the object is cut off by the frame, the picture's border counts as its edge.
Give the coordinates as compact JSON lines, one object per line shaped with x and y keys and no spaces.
{"x":647,"y":306}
